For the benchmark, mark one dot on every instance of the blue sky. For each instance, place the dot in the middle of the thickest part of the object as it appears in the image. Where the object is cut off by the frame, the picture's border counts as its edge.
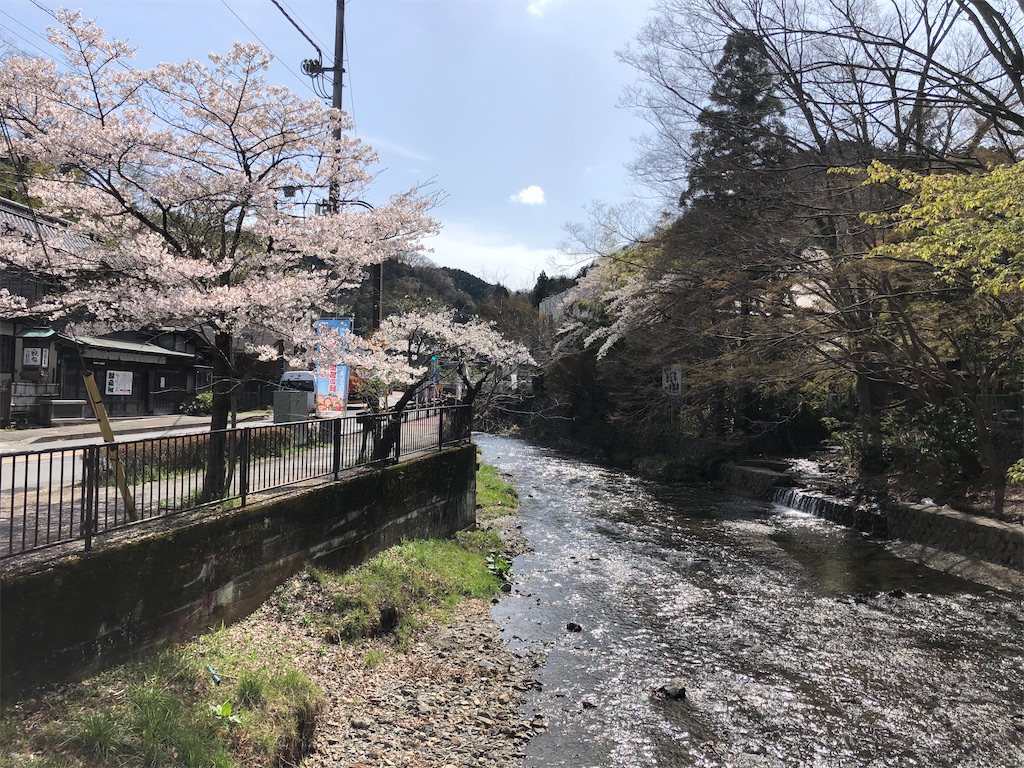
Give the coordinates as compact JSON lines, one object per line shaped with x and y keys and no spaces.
{"x":509,"y":106}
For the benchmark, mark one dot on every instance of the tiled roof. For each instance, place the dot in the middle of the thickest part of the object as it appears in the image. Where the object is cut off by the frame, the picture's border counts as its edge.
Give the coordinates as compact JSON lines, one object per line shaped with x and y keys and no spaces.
{"x":16,"y":218}
{"x":120,"y":345}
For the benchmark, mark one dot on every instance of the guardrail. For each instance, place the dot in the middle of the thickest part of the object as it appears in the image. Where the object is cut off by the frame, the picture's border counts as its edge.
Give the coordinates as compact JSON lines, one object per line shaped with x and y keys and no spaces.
{"x":51,"y":497}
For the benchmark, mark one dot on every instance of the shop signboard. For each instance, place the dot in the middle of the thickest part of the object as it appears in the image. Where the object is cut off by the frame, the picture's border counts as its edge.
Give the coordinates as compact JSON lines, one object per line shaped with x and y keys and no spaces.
{"x":119,"y":383}
{"x":36,"y":357}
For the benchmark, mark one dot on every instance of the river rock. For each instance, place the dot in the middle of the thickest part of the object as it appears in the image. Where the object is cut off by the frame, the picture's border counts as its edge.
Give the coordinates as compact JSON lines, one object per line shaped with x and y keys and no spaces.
{"x":673,"y":689}
{"x":572,"y":626}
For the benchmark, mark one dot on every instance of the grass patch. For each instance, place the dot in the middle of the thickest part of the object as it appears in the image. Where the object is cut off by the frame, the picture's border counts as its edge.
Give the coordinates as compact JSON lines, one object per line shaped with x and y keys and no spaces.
{"x":166,"y":710}
{"x":397,"y":591}
{"x":494,"y":496}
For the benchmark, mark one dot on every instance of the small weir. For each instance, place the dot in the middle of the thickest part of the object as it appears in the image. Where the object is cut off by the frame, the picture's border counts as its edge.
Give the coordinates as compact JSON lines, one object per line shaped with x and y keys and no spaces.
{"x":799,"y":642}
{"x":865,"y":518}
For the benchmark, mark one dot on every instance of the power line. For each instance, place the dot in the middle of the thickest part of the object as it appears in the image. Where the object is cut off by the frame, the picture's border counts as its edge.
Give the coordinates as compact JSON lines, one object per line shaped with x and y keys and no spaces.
{"x":29,"y":29}
{"x":300,"y":29}
{"x":351,"y":89}
{"x":268,"y":48}
{"x":307,"y":26}
{"x":42,"y":51}
{"x":24,"y":40}
{"x":25,"y":26}
{"x":316,"y":70}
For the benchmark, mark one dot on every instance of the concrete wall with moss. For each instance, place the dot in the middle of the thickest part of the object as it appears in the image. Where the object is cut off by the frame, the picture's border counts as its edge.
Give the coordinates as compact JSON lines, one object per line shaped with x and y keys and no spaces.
{"x":86,"y":612}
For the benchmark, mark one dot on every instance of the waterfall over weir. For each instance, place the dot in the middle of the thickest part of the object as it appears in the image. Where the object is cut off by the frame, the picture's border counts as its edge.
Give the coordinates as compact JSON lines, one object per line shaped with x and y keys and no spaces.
{"x":867,"y":518}
{"x":802,"y":486}
{"x":792,"y":485}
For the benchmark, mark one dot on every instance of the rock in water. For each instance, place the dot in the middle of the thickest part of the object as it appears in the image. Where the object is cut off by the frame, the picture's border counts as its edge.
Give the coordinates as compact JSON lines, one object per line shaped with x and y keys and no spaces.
{"x":673,"y":689}
{"x":572,"y":626}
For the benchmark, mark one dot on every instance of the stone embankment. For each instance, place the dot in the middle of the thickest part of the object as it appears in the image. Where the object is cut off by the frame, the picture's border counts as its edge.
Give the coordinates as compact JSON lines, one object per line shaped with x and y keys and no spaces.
{"x":928,"y":528}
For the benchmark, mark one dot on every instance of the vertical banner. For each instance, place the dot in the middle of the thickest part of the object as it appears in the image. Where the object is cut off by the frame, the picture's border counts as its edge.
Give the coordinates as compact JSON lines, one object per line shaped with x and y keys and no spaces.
{"x":331,"y":382}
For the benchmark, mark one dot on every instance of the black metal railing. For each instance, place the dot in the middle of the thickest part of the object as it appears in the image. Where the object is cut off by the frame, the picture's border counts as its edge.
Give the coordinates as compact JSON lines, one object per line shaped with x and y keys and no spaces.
{"x":51,"y":497}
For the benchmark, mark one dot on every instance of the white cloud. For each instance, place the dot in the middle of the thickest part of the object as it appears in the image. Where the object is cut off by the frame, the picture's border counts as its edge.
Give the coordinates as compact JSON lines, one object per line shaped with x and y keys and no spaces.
{"x":491,"y":258}
{"x":532,"y":195}
{"x":537,"y":7}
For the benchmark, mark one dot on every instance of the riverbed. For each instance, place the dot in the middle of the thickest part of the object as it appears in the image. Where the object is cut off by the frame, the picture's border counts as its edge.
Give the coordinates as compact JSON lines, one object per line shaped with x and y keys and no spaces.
{"x":799,"y":643}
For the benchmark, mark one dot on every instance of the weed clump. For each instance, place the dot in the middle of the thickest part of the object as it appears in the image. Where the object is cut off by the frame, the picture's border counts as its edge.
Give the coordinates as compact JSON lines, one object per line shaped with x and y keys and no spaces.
{"x":398,"y":590}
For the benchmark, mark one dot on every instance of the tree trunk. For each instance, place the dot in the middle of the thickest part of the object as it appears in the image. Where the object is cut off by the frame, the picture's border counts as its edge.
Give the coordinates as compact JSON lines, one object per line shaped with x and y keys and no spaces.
{"x":392,"y":426}
{"x":215,"y":481}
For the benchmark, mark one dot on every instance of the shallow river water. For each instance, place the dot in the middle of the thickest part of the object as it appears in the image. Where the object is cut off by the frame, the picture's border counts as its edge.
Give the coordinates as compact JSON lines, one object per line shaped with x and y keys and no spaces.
{"x":800,"y":643}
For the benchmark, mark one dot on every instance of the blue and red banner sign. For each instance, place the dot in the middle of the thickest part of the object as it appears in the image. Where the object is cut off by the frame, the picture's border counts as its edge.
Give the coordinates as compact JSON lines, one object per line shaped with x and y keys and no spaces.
{"x":332,"y":381}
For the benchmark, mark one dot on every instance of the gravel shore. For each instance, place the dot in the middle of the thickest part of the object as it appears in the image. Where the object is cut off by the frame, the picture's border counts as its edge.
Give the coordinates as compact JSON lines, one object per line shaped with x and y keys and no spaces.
{"x":452,"y":698}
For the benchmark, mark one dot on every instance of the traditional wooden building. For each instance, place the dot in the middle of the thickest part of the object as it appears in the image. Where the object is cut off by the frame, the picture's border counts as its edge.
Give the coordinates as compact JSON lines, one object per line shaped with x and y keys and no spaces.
{"x":139,"y":374}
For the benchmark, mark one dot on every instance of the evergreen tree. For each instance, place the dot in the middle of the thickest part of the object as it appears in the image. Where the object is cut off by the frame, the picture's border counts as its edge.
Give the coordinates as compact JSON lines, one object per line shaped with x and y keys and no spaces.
{"x":742,"y":141}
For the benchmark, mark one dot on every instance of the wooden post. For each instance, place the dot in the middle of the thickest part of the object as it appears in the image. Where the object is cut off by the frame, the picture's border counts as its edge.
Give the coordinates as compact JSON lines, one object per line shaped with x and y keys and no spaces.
{"x":108,"y":437}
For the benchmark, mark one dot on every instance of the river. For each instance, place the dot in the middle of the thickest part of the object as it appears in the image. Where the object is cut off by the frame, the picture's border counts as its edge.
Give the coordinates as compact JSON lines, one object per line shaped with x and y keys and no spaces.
{"x":800,"y":643}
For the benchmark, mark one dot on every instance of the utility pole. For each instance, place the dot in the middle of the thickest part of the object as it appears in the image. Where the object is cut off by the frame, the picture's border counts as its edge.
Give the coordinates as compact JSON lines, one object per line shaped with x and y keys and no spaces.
{"x":339,"y":72}
{"x":316,"y":69}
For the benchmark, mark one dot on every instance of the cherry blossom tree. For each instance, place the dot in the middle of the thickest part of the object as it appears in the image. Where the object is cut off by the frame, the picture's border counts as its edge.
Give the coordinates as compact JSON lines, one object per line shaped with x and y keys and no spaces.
{"x":406,"y":351}
{"x":175,"y":180}
{"x":471,"y":352}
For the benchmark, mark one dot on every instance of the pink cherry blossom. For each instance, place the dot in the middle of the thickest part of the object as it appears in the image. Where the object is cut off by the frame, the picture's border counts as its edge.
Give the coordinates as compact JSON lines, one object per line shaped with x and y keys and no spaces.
{"x":173,"y":182}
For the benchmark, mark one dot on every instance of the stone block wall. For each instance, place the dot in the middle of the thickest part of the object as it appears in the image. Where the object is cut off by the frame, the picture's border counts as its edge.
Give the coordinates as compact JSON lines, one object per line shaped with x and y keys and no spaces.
{"x":941,"y":528}
{"x":89,"y":611}
{"x":951,"y":531}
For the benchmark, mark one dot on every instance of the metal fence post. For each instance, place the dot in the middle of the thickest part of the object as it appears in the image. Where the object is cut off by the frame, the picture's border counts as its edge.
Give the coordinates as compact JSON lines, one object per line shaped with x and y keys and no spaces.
{"x":440,"y":429}
{"x":337,"y":446}
{"x":243,"y":467}
{"x":397,"y":426}
{"x":90,"y":481}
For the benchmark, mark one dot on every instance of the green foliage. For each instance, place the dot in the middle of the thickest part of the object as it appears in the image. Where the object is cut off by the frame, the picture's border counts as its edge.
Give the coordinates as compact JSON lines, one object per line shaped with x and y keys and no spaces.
{"x":252,"y":689}
{"x":682,"y":467}
{"x":374,"y":658}
{"x":224,"y":714}
{"x":742,"y":133}
{"x":499,"y":566}
{"x":200,"y":405}
{"x":931,"y":441}
{"x":964,"y":225}
{"x":164,"y":710}
{"x":931,"y":434}
{"x":494,"y":496}
{"x":865,"y":450}
{"x":549,"y":286}
{"x":482,"y":541}
{"x":97,"y":735}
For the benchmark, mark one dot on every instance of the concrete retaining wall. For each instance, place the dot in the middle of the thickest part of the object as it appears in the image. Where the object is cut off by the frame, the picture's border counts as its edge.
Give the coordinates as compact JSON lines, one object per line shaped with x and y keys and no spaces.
{"x":87,"y":612}
{"x":940,"y":528}
{"x":754,"y":482}
{"x":951,"y":531}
